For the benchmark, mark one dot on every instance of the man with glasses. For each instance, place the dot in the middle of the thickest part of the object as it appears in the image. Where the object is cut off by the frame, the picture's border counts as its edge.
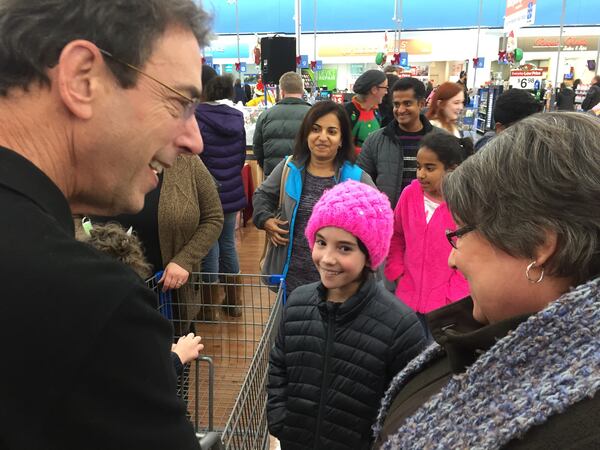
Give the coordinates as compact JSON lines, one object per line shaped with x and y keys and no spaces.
{"x":370,"y":88}
{"x":96,"y":98}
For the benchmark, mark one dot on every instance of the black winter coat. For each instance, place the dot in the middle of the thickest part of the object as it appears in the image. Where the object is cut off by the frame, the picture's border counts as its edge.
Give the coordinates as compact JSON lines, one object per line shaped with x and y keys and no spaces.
{"x":592,"y":98}
{"x":85,"y":354}
{"x":332,"y":362}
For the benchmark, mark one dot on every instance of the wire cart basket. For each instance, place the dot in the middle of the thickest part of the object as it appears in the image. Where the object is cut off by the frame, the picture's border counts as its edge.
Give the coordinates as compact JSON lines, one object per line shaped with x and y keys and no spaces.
{"x":237,"y":317}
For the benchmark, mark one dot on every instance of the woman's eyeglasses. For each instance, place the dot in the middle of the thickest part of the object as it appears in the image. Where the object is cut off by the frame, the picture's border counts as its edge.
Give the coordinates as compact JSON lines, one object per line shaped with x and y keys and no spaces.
{"x":453,"y":236}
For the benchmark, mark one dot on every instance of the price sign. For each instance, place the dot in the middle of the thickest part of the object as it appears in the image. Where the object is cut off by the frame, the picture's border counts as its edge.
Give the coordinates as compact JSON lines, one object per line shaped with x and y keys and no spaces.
{"x":526,"y":79}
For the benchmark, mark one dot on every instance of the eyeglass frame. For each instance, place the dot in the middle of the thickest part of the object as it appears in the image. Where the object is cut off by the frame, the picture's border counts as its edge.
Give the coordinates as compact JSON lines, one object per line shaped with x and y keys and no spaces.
{"x":387,"y":88}
{"x":458,"y":233}
{"x":192,"y":102}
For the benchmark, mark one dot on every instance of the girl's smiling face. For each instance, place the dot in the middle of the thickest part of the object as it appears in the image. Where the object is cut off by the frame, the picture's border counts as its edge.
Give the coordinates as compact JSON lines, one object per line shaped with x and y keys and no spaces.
{"x":340,"y":262}
{"x":430,"y":172}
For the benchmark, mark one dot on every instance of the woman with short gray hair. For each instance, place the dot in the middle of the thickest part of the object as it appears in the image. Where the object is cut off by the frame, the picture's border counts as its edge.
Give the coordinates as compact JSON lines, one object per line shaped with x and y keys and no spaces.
{"x":517,"y":364}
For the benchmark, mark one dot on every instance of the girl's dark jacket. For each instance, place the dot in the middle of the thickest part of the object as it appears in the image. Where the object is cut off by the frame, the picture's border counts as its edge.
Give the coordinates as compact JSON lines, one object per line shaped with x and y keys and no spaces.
{"x":332,"y":362}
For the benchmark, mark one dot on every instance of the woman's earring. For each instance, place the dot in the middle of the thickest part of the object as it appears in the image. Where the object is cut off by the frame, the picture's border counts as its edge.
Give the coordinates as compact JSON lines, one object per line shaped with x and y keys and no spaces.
{"x":529,"y":267}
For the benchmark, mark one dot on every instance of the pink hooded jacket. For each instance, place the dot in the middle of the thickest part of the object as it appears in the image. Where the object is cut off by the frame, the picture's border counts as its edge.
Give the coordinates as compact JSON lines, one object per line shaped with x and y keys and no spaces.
{"x":419,"y":253}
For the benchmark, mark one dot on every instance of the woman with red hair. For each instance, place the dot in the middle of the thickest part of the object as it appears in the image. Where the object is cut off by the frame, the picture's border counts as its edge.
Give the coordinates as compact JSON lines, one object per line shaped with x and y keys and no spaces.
{"x":446,"y":105}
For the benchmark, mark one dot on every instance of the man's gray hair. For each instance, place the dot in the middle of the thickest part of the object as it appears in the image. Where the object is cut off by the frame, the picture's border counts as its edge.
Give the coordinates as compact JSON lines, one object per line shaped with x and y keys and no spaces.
{"x":543,"y":173}
{"x":34,"y":32}
{"x":291,"y":83}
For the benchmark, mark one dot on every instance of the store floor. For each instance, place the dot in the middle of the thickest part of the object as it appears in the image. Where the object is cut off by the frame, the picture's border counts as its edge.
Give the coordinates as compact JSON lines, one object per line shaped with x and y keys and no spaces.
{"x":250,"y":247}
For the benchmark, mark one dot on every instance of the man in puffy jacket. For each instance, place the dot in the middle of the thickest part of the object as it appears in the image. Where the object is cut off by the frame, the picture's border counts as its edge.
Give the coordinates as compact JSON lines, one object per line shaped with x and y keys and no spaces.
{"x":593,"y":96}
{"x":276,"y":128}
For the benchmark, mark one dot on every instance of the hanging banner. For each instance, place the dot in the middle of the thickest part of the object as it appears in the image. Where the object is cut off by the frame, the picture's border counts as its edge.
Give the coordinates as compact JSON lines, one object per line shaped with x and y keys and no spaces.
{"x":526,"y":79}
{"x":519,"y":13}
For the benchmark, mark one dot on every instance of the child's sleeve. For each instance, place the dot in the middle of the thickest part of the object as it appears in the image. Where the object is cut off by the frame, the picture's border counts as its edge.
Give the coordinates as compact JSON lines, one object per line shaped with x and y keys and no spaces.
{"x":277,"y":384}
{"x":409,"y":341}
{"x":177,"y":364}
{"x":394,"y":267}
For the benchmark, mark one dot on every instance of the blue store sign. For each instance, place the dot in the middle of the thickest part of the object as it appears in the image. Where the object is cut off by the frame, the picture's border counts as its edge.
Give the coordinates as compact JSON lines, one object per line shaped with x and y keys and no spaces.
{"x":228,"y":51}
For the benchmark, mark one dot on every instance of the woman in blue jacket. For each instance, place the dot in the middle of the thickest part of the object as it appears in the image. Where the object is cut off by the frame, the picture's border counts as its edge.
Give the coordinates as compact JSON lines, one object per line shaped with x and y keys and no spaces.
{"x":222,"y":128}
{"x":323,"y":156}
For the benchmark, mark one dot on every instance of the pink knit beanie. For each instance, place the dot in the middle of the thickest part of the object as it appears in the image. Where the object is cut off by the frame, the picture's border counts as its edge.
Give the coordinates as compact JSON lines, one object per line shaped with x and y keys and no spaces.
{"x":360,"y":210}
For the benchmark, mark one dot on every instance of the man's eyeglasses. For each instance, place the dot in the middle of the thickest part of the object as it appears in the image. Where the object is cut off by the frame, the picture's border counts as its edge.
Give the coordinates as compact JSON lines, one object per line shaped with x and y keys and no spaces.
{"x":453,"y":236}
{"x":190,"y":103}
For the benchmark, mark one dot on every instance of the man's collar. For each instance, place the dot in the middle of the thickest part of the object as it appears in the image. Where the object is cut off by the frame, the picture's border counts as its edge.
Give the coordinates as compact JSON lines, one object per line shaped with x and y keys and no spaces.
{"x":292,"y":100}
{"x":393,"y":128}
{"x":22,"y":176}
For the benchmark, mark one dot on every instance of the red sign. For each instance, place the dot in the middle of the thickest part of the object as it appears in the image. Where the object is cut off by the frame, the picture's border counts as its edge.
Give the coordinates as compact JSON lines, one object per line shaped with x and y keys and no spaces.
{"x":338,"y":98}
{"x":569,"y":42}
{"x":526,"y":73}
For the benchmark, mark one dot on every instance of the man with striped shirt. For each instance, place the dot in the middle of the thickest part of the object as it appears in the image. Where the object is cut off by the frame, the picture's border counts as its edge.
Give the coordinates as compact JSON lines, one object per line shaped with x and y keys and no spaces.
{"x":389,"y":154}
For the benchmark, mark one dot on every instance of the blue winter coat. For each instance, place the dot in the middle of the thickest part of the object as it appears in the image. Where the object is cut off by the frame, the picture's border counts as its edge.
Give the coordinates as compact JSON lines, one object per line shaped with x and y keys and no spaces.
{"x":224,"y":154}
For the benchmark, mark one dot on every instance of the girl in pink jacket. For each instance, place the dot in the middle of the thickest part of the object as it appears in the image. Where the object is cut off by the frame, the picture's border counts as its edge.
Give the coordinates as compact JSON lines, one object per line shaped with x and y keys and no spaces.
{"x":418,"y":257}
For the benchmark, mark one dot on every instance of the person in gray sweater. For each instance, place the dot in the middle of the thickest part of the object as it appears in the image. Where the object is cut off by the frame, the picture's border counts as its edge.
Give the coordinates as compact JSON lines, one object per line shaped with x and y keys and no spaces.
{"x":276,"y":128}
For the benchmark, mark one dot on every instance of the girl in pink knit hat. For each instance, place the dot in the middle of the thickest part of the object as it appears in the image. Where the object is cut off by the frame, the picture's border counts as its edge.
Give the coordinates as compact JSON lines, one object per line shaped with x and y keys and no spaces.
{"x":341,"y":340}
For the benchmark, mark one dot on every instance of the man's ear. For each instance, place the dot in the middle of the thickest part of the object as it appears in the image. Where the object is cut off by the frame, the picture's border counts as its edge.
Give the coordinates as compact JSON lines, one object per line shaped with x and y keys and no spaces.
{"x":78,"y":74}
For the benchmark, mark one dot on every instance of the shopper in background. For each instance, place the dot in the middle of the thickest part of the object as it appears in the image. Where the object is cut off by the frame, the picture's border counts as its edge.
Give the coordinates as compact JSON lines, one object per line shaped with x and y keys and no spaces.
{"x":247,"y":91}
{"x":389,"y":154}
{"x":83,"y":132}
{"x":418,"y":258}
{"x":370,"y":88}
{"x":510,"y":107}
{"x":323,"y":156}
{"x":428,"y":88}
{"x":181,"y":220}
{"x":386,"y":108}
{"x":340,"y":340}
{"x":445,"y":108}
{"x":565,"y":98}
{"x":593,"y":96}
{"x":516,"y":365}
{"x":239,"y":93}
{"x":277,"y":127}
{"x":224,"y":136}
{"x":462,"y":82}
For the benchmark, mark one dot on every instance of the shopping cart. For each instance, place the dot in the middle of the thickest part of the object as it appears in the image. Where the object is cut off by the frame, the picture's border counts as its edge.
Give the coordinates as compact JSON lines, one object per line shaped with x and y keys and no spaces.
{"x":237,"y":317}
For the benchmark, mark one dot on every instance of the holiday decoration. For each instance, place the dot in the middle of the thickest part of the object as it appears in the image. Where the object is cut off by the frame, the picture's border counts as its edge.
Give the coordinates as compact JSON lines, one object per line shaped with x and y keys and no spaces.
{"x":313,"y":65}
{"x":298,"y":61}
{"x":256,"y":52}
{"x":237,"y":66}
{"x":380,"y":58}
{"x":518,"y":54}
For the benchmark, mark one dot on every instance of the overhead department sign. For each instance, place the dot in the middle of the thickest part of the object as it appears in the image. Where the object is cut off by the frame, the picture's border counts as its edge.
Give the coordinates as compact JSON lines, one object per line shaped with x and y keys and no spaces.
{"x":519,"y":13}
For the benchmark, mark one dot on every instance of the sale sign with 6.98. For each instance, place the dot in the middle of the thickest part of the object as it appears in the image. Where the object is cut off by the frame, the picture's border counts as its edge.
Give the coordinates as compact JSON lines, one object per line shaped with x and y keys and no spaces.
{"x":525,"y":79}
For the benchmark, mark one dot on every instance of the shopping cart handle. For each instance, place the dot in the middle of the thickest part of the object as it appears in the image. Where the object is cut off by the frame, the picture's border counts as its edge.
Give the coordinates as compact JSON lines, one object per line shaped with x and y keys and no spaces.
{"x":276,"y":279}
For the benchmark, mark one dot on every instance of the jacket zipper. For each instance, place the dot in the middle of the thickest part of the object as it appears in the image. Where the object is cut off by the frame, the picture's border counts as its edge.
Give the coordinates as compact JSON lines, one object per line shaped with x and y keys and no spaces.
{"x":325,"y":382}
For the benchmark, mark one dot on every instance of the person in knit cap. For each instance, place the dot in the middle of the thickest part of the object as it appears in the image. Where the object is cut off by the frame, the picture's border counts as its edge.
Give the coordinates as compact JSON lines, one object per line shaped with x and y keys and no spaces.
{"x":341,"y":340}
{"x":370,"y":88}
